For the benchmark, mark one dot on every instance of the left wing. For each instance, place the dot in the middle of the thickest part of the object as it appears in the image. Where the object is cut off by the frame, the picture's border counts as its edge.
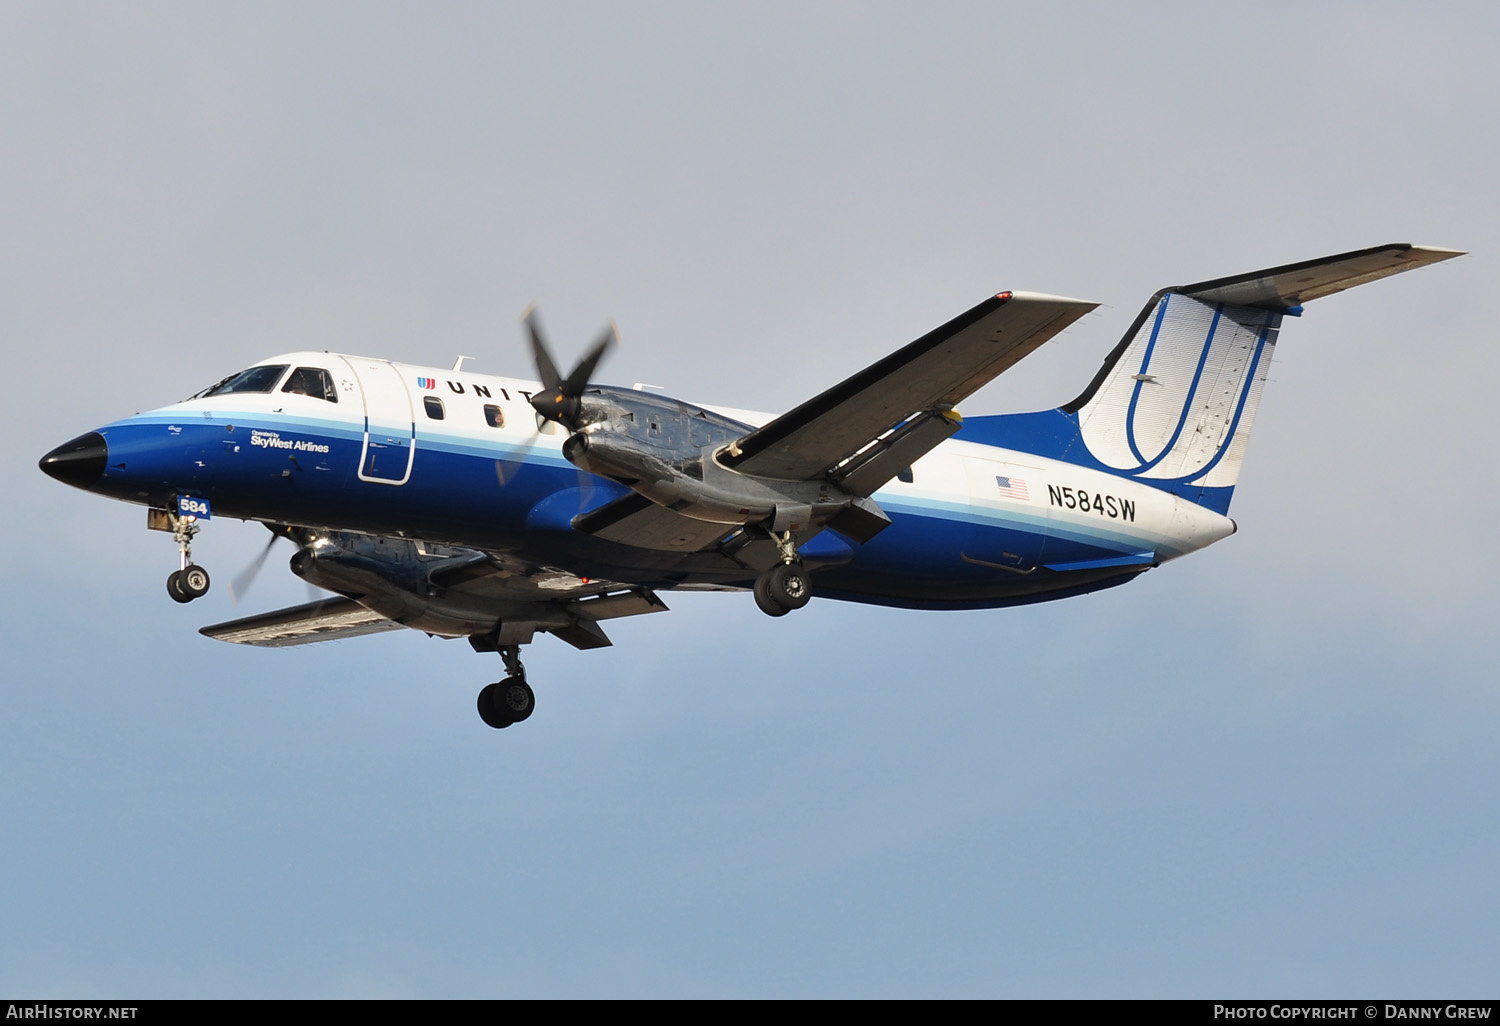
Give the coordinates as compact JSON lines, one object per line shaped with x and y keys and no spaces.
{"x":325,"y":620}
{"x":494,"y":599}
{"x":927,"y":377}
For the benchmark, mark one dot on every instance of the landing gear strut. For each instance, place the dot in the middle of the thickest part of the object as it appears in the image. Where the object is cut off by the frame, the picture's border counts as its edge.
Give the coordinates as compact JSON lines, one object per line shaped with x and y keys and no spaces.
{"x":784,"y":587}
{"x":510,"y":700}
{"x":191,"y":581}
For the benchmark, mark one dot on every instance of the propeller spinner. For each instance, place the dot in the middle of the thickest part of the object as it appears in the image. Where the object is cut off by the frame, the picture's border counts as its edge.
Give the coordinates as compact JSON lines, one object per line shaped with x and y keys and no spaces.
{"x":559,"y":399}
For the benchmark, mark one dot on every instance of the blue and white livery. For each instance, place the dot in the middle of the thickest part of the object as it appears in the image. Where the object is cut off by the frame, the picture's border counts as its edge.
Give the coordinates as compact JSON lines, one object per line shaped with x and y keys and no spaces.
{"x":491,"y":508}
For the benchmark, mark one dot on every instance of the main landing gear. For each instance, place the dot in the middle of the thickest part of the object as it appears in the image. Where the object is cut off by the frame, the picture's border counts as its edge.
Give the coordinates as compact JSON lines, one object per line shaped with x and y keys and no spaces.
{"x":510,"y":700}
{"x":786,"y":586}
{"x":191,"y":581}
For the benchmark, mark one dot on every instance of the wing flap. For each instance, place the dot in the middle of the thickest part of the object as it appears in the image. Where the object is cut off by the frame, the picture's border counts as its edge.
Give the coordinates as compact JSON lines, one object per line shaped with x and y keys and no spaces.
{"x":636,"y":520}
{"x":612,"y":606}
{"x":325,"y":620}
{"x":936,"y":371}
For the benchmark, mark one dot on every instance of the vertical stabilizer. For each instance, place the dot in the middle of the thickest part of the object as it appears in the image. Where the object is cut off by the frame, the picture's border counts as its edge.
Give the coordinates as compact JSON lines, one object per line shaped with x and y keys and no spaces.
{"x":1174,"y":402}
{"x":1175,"y":409}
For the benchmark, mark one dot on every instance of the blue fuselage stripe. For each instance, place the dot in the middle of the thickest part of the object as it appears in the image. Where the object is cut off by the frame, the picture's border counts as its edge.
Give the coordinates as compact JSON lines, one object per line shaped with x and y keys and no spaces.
{"x":522,"y":495}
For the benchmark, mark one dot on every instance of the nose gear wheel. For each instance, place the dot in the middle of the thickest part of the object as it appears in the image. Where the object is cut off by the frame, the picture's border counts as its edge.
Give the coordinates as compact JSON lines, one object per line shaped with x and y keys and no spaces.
{"x":188,"y":583}
{"x":191,"y":580}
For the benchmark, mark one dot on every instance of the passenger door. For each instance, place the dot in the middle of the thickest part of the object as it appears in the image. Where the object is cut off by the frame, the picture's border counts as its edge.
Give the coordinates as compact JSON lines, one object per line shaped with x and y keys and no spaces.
{"x":390,"y":429}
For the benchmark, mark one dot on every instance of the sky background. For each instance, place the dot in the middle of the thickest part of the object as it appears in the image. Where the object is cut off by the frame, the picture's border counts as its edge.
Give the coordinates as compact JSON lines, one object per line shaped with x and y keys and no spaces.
{"x":1268,"y":770}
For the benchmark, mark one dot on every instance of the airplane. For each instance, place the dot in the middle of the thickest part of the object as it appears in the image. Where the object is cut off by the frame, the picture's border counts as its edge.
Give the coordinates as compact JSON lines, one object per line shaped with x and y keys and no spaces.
{"x":491,"y":508}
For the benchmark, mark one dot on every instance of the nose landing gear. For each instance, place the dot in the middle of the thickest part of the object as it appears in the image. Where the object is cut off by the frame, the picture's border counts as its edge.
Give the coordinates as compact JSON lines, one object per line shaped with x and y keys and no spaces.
{"x":191,"y":580}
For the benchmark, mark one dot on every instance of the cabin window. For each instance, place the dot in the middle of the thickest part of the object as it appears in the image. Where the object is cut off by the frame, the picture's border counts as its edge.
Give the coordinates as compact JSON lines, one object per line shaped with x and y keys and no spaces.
{"x":256,"y":379}
{"x":904,"y":476}
{"x":434,"y":407}
{"x":494,"y":416}
{"x":313,"y":381}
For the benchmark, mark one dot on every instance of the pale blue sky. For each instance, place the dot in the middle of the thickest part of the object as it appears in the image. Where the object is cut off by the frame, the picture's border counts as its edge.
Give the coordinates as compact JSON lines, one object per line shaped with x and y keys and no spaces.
{"x":1267,"y":770}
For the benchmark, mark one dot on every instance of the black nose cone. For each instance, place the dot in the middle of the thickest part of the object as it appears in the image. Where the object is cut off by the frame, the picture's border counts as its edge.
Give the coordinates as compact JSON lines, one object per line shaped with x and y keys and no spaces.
{"x":79,"y":462}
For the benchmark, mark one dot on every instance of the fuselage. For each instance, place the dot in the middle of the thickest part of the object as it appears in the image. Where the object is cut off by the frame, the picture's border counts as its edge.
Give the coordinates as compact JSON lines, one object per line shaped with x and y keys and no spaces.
{"x":453,"y":457}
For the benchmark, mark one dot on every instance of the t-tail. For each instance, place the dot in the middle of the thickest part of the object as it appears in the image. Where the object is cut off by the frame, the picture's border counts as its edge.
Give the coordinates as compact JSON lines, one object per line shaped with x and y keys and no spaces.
{"x":1174,"y":403}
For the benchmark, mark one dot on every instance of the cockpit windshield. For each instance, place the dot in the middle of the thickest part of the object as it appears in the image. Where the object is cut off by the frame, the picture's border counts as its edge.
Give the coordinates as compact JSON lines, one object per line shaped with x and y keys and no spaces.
{"x":256,"y":379}
{"x":313,"y":381}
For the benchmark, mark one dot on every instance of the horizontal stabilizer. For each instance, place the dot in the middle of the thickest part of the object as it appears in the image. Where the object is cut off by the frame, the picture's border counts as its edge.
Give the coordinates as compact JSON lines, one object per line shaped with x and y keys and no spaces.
{"x":326,"y":620}
{"x":1281,"y":288}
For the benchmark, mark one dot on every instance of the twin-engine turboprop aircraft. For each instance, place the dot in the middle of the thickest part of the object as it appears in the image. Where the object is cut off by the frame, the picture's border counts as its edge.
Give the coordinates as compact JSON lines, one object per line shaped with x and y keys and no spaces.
{"x":491,"y":508}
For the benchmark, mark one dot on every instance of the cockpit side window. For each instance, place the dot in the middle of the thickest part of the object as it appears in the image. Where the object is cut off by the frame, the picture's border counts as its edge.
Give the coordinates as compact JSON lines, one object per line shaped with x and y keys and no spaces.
{"x":313,"y":381}
{"x":256,"y":379}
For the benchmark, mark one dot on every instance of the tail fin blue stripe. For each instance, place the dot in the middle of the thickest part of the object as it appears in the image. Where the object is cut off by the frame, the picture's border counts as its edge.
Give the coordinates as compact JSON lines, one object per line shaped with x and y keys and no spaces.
{"x":1161,"y":315}
{"x":1187,"y":404}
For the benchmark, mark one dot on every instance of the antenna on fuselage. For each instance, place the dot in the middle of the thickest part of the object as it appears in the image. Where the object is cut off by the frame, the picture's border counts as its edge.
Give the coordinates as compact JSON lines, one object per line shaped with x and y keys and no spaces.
{"x":458,"y":364}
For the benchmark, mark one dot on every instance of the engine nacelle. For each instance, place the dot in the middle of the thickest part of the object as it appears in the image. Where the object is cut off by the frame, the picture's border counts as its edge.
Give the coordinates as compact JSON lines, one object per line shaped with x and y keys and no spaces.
{"x":667,"y":451}
{"x":395,"y":578}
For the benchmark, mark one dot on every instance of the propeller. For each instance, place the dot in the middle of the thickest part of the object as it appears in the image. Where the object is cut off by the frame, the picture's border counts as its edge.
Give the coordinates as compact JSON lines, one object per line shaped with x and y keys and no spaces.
{"x":559,"y":399}
{"x":246,"y":577}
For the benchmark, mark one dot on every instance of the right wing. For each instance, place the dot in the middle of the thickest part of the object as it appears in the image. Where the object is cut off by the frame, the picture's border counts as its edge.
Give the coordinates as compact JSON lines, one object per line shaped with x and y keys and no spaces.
{"x":928,"y":376}
{"x":863,"y":432}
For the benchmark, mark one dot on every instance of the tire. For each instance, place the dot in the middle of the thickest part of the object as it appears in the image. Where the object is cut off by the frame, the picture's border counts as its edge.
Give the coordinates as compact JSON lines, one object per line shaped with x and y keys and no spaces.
{"x":194,"y":581}
{"x":789,"y":585}
{"x":514,"y":697}
{"x":489,"y":709}
{"x":765,"y":600}
{"x":174,"y":587}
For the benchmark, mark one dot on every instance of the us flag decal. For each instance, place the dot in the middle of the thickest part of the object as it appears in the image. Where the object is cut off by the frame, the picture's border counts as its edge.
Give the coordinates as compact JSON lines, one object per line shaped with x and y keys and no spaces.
{"x":1013,"y":488}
